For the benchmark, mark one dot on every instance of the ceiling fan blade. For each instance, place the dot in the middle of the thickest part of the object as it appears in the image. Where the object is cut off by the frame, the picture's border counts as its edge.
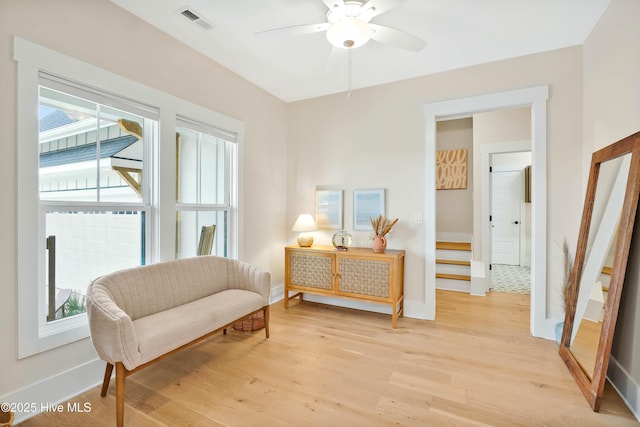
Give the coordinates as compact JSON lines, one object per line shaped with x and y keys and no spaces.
{"x":295,"y":30}
{"x":376,"y":7}
{"x":397,"y":38}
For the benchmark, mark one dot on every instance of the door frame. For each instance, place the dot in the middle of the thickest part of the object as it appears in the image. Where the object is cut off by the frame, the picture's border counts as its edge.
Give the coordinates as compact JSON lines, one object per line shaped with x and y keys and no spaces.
{"x":484,"y":208}
{"x":535,"y":98}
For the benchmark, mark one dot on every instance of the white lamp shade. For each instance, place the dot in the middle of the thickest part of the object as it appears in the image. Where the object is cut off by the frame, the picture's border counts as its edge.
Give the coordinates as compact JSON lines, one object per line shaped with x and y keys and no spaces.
{"x":349,"y":33}
{"x":305,"y":222}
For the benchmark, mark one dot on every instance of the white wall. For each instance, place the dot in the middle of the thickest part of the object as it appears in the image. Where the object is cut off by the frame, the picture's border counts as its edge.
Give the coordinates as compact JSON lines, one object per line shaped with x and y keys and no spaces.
{"x":104,"y":35}
{"x":376,"y":139}
{"x":454,"y":208}
{"x":494,"y":131}
{"x":502,"y":126}
{"x":611,"y":112}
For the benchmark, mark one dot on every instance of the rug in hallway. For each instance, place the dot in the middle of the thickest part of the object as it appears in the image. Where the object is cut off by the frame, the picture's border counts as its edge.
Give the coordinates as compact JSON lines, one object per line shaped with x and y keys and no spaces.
{"x":510,"y":278}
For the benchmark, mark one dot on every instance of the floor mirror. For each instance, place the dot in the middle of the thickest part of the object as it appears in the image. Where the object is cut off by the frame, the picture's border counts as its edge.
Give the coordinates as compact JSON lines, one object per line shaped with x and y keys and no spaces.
{"x":595,"y":284}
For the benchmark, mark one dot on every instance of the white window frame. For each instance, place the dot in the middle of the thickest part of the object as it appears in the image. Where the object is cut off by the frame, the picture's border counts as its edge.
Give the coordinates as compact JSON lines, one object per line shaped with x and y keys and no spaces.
{"x":32,"y":59}
{"x":60,"y":327}
{"x":230,"y":195}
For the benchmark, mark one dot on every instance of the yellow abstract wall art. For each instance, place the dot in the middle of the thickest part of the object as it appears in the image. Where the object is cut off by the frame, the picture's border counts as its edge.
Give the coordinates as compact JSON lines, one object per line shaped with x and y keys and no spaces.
{"x":451,"y":169}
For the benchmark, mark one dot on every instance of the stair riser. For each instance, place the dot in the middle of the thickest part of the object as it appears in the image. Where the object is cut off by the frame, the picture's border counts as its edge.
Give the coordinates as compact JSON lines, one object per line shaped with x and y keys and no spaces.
{"x":456,"y":255}
{"x":453,"y":285}
{"x":453,"y":269}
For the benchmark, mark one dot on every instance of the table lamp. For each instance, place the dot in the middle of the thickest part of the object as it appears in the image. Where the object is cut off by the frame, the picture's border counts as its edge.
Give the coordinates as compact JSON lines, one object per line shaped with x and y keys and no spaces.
{"x":305,"y":225}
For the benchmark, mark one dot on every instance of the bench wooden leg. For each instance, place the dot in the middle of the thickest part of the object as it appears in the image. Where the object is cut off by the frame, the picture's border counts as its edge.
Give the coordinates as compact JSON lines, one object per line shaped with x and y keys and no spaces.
{"x":120,"y":375}
{"x":107,"y":378}
{"x":265,"y":311}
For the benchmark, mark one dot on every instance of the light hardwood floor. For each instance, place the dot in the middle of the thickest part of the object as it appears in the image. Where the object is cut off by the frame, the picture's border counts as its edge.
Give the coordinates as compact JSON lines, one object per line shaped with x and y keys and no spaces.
{"x":476,"y":365}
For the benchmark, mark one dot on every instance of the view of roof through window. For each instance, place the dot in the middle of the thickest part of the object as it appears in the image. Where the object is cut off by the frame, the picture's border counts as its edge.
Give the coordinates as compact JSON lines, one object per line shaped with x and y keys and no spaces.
{"x":74,"y":133}
{"x":91,"y":158}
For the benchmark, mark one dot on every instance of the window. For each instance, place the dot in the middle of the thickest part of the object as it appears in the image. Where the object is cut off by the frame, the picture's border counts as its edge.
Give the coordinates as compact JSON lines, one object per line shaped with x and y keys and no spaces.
{"x":93,"y":189}
{"x":97,"y":185}
{"x":204,"y":156}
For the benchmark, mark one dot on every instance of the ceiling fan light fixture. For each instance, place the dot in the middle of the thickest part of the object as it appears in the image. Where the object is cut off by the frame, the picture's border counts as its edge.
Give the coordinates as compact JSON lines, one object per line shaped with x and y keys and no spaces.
{"x":349,"y":33}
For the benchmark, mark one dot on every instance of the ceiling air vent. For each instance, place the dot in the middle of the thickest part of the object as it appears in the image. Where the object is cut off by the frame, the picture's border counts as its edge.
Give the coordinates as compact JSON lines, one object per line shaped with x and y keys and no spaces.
{"x":195,"y":17}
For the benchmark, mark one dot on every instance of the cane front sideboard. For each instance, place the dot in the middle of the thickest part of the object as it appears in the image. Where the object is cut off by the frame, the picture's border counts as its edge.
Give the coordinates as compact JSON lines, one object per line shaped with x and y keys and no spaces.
{"x":357,"y":274}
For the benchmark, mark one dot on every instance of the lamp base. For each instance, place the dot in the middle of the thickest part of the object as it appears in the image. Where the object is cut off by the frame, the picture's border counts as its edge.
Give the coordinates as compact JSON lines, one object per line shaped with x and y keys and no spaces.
{"x":305,"y":240}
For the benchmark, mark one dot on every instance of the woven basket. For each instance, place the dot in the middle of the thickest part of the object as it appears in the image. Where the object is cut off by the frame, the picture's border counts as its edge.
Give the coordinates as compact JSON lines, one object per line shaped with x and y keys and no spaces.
{"x":250,"y":324}
{"x":6,"y":418}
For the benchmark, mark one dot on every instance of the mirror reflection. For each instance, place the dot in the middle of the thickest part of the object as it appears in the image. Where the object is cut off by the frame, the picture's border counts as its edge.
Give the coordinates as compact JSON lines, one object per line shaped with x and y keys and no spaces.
{"x":599,"y":257}
{"x":602,"y":253}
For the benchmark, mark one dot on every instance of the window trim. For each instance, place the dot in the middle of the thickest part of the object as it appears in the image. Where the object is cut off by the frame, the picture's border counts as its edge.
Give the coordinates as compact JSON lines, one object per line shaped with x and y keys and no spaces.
{"x":32,"y":59}
{"x":230,"y":186}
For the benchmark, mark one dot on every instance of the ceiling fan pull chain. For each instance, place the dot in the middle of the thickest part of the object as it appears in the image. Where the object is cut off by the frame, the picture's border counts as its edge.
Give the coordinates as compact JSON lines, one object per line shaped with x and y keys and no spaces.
{"x":349,"y":72}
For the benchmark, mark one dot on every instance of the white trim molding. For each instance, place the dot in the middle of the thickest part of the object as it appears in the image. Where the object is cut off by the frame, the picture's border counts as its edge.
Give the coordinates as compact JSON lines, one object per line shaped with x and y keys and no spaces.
{"x":482,"y":198}
{"x":535,"y":98}
{"x":479,"y":279}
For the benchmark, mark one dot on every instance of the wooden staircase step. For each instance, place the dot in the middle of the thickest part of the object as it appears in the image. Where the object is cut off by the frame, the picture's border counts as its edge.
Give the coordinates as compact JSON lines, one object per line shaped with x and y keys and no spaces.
{"x":454,"y":246}
{"x":453,"y":262}
{"x":453,"y":276}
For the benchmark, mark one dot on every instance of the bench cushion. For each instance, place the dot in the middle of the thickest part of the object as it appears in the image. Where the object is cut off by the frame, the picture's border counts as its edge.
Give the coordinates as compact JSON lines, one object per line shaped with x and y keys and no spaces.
{"x":149,"y":289}
{"x":167,"y":330}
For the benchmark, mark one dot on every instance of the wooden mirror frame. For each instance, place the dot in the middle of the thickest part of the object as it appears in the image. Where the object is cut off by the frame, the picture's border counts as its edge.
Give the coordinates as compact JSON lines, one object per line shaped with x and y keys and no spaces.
{"x":593,"y":387}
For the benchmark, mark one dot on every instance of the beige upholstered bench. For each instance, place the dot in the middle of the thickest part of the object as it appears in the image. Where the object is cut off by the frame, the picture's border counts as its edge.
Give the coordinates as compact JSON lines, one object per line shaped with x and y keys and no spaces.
{"x":141,"y":315}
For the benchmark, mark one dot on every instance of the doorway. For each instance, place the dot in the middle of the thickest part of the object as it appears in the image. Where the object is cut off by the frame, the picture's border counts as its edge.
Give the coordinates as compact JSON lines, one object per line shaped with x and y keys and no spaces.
{"x":535,"y":98}
{"x":510,"y":224}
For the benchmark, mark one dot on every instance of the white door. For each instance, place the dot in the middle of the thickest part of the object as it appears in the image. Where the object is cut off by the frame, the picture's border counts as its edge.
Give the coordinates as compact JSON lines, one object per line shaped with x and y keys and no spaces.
{"x":506,"y":193}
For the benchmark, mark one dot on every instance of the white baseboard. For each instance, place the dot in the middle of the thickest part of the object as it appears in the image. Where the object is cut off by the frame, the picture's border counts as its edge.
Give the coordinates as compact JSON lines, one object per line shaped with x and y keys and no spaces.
{"x":416,"y":310}
{"x":412,"y":309}
{"x":479,"y":283}
{"x":339,"y":302}
{"x":626,"y":386}
{"x":478,"y":287}
{"x":277,"y":293}
{"x":58,"y":388}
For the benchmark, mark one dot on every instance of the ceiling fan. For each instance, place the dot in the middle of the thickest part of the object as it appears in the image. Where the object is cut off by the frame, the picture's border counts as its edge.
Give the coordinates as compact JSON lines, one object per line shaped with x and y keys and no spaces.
{"x":348,"y":25}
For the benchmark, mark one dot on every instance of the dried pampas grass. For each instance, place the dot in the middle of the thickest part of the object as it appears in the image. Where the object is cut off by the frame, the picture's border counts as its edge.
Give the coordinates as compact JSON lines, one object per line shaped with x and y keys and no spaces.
{"x":381,"y":225}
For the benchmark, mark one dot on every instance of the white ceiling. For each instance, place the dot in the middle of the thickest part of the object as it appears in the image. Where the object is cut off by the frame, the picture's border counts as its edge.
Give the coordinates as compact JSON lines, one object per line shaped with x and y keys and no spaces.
{"x":459,"y":33}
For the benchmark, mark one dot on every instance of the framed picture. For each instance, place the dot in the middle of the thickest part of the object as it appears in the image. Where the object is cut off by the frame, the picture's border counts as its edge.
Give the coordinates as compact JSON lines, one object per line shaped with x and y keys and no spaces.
{"x":451,"y":169}
{"x":366,"y":204}
{"x":329,"y":209}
